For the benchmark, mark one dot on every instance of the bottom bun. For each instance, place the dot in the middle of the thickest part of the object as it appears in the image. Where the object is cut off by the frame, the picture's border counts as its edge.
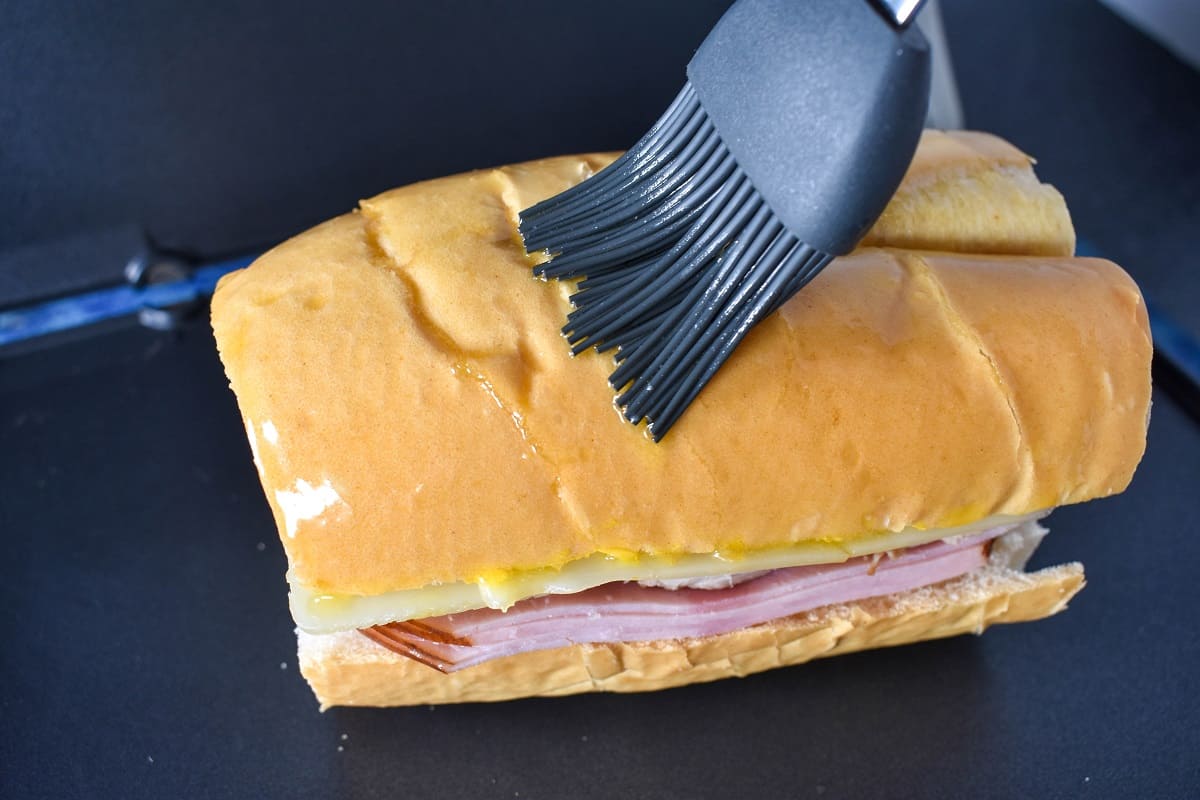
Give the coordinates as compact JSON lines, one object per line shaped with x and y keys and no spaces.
{"x":348,"y":669}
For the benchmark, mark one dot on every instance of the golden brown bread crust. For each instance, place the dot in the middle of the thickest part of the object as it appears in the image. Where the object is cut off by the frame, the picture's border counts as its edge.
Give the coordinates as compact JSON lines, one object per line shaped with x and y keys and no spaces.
{"x":973,"y":192}
{"x":347,"y":669}
{"x":417,"y":419}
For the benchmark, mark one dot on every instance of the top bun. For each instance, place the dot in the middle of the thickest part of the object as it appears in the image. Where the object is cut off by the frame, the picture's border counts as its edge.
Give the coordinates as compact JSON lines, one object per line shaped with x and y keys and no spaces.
{"x":416,"y":417}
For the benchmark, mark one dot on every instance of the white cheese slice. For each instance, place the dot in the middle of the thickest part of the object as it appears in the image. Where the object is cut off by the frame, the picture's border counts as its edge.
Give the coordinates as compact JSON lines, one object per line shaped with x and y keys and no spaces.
{"x":319,"y":612}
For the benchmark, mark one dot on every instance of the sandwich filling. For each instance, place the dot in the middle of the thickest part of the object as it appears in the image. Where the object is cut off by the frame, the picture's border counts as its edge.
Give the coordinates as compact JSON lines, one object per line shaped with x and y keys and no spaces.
{"x":320,"y":612}
{"x":631,"y":611}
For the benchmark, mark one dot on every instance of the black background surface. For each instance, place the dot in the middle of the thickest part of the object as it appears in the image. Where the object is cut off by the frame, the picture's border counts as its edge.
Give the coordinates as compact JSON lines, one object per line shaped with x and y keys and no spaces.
{"x":147,"y":648}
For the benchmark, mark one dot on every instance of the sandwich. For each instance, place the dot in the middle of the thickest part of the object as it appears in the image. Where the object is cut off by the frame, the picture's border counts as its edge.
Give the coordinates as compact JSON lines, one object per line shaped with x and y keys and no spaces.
{"x":467,"y":518}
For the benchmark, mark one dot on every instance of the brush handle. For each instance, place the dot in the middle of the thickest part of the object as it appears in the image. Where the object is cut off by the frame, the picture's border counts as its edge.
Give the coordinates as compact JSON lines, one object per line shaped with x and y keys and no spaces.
{"x":821,"y":104}
{"x":899,"y":12}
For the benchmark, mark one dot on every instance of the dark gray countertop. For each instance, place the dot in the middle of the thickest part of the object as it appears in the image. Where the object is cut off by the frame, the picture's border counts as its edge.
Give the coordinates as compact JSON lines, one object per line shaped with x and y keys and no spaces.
{"x":148,"y":650}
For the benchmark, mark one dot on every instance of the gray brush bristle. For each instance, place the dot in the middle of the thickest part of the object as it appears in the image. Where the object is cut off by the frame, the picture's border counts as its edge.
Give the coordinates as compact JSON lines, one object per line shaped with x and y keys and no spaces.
{"x":679,"y":257}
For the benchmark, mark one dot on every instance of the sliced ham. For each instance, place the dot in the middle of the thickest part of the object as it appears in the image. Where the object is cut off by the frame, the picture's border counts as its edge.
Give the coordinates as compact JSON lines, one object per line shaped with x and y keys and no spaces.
{"x":627,"y":612}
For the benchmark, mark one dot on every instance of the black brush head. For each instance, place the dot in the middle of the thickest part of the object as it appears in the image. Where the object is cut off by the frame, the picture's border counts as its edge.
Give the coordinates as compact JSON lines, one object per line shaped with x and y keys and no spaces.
{"x":737,"y":197}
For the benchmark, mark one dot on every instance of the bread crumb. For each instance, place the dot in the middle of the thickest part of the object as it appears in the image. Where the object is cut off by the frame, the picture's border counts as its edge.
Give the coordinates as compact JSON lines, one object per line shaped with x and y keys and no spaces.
{"x":345,"y":736}
{"x":583,"y":738}
{"x":150,"y":759}
{"x":283,"y":665}
{"x":260,"y":546}
{"x":341,"y":749}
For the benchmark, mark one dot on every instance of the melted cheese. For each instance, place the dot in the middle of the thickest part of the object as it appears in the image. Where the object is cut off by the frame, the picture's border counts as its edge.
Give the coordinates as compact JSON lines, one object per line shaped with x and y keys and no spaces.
{"x":317,"y":612}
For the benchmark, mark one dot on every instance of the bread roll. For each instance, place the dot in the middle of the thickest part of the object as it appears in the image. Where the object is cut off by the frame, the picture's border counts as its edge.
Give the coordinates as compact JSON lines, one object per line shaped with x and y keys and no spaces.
{"x":416,"y":420}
